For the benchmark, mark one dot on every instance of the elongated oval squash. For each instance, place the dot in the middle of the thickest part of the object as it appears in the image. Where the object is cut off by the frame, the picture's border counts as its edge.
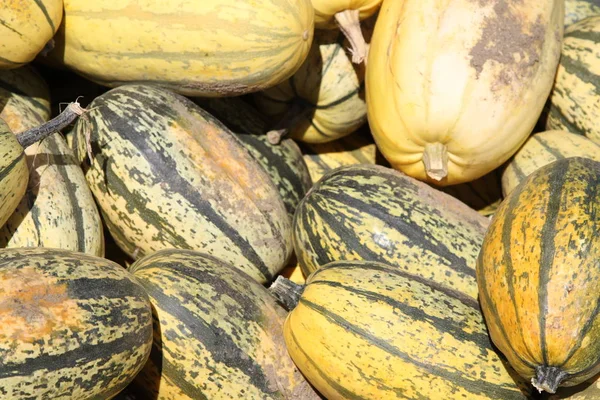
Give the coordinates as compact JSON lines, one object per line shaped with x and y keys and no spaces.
{"x":166,"y":174}
{"x":538,"y":274}
{"x":25,"y":28}
{"x":324,"y":99}
{"x":373,"y":213}
{"x":71,"y":325}
{"x":576,"y":10}
{"x":543,"y":148}
{"x":283,"y":161}
{"x":449,"y":104}
{"x":366,"y":330}
{"x":202,"y":48}
{"x":58,"y":209}
{"x":574,"y":105}
{"x":218,"y":333}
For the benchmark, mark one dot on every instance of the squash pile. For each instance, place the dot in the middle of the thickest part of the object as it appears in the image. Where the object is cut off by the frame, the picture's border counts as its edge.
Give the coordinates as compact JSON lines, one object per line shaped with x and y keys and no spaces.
{"x":299,"y":199}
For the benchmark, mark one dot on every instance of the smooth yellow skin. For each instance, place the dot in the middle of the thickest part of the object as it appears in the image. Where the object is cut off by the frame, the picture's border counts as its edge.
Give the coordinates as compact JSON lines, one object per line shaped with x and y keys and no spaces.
{"x":325,"y":10}
{"x":197,"y":48}
{"x":440,"y":72}
{"x":25,"y":28}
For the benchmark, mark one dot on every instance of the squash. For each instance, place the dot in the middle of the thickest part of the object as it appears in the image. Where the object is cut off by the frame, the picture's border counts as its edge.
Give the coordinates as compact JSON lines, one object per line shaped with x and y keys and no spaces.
{"x":576,"y":10}
{"x":448,"y":104}
{"x":200,"y":48}
{"x":25,"y":28}
{"x":217,"y":333}
{"x":574,"y":105}
{"x":72,"y":326}
{"x":346,"y":15}
{"x":167,"y":174}
{"x":543,"y":148}
{"x":324,"y":99}
{"x":283,"y":162}
{"x":367,"y":330}
{"x":538,"y":277}
{"x":14,"y":174}
{"x":374,"y":213}
{"x":58,"y":209}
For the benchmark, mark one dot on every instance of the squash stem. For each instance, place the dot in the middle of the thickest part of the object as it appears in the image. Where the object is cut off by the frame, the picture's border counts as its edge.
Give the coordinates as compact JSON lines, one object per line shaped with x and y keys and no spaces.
{"x":34,"y":135}
{"x":548,"y":378}
{"x":286,"y":292}
{"x":349,"y":23}
{"x":435,"y":158}
{"x":285,"y":124}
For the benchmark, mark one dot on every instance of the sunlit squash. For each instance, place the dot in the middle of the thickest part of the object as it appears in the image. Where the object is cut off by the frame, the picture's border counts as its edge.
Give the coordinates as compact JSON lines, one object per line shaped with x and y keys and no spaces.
{"x":537,"y":274}
{"x":202,"y":48}
{"x":453,"y":88}
{"x":576,"y":10}
{"x":25,"y":28}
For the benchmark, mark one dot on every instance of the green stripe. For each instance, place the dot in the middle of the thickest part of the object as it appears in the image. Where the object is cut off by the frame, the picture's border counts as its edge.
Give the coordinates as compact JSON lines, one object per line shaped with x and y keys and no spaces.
{"x":565,"y":123}
{"x":491,"y":307}
{"x":580,"y":70}
{"x":42,"y":7}
{"x":10,"y":28}
{"x":342,"y":99}
{"x":479,"y":387}
{"x":6,"y":170}
{"x":548,"y":147}
{"x":506,"y":240}
{"x":395,"y":270}
{"x":346,"y":394}
{"x":557,"y":175}
{"x":446,"y":325}
{"x":592,"y":36}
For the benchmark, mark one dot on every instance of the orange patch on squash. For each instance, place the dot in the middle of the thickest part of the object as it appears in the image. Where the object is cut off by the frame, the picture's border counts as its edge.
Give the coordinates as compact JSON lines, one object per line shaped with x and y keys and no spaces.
{"x":33,"y":305}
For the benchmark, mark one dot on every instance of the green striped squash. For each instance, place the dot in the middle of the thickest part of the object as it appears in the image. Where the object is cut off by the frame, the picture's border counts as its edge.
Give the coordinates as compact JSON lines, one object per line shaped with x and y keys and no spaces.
{"x":483,"y":194}
{"x":366,"y":330}
{"x":543,"y":148}
{"x":373,"y":213}
{"x":218,"y":334}
{"x":72,"y":325}
{"x":58,"y":209}
{"x":201,"y":48}
{"x":25,"y":28}
{"x":574,"y":105}
{"x":324,"y":99}
{"x":576,"y":10}
{"x":357,"y":148}
{"x":537,"y":275}
{"x":283,"y":162}
{"x":167,"y":174}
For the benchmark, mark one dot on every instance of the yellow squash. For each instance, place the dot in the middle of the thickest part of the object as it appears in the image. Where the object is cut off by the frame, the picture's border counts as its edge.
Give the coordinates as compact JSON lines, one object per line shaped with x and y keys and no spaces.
{"x":201,"y":48}
{"x":454,"y":87}
{"x":26,"y":26}
{"x":346,"y":14}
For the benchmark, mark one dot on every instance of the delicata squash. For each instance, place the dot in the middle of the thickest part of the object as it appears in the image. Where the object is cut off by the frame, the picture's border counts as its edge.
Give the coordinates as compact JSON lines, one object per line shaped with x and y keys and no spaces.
{"x":449,"y":104}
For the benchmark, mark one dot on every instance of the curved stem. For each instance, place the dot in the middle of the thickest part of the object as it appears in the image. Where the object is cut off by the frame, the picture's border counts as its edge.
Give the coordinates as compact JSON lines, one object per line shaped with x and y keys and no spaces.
{"x":286,"y":122}
{"x":349,"y":23}
{"x":34,"y":135}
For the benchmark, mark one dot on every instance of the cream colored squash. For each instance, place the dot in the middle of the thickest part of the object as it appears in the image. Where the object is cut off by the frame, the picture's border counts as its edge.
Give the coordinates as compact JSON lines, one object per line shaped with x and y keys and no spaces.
{"x":454,"y":87}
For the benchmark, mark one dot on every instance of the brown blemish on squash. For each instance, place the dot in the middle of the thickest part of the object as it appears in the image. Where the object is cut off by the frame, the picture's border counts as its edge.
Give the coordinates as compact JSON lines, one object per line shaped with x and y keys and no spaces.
{"x":33,"y":305}
{"x":505,"y":41}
